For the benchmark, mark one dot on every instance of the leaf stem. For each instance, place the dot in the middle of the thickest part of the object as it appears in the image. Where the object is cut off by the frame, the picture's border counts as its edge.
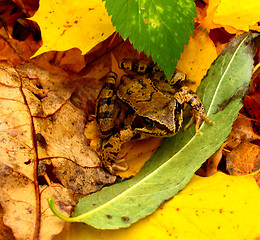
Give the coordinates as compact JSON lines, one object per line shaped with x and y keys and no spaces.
{"x":58,"y":214}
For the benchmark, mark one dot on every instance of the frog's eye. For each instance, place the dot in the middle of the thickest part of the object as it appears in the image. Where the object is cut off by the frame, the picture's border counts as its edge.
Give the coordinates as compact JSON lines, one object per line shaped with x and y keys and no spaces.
{"x":148,"y":122}
{"x":143,"y":122}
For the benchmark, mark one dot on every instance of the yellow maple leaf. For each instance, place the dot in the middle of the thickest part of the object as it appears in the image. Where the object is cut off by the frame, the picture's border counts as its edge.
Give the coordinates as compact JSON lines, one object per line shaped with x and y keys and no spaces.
{"x":216,"y":207}
{"x":67,"y":24}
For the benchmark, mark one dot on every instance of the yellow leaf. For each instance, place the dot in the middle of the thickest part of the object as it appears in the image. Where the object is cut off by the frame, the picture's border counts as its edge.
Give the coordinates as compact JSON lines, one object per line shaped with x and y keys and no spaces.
{"x":216,"y":207}
{"x":67,"y":24}
{"x":239,"y":14}
{"x":197,"y":57}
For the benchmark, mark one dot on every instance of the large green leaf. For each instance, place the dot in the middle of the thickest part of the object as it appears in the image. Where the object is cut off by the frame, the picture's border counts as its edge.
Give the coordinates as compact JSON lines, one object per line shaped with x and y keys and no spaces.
{"x":160,"y":28}
{"x":174,"y":163}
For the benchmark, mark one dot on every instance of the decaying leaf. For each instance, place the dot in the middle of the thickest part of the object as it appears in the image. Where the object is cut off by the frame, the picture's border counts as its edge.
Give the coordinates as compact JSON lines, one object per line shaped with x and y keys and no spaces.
{"x":5,"y":232}
{"x":67,"y":24}
{"x":242,"y":132}
{"x":39,"y":125}
{"x":18,"y":201}
{"x":243,"y":159}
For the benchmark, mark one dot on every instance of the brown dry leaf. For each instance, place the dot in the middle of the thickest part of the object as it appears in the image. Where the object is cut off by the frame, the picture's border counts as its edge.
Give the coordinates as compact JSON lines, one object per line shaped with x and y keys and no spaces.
{"x":19,"y":204}
{"x":29,"y":7}
{"x":14,"y":51}
{"x":5,"y":232}
{"x":243,"y":159}
{"x":39,"y":123}
{"x":242,"y":132}
{"x":64,"y":63}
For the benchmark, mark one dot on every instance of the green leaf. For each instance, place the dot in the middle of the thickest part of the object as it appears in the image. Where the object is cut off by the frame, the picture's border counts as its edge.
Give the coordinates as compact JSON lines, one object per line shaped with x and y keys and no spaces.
{"x":160,"y":28}
{"x":174,"y":163}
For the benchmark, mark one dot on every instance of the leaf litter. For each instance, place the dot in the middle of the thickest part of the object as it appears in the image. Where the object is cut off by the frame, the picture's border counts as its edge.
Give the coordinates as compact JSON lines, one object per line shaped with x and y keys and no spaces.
{"x":53,"y":62}
{"x":165,"y":175}
{"x":30,"y":93}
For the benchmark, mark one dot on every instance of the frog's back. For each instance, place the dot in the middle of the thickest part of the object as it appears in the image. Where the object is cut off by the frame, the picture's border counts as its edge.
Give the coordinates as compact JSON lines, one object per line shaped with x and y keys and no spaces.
{"x":138,"y":91}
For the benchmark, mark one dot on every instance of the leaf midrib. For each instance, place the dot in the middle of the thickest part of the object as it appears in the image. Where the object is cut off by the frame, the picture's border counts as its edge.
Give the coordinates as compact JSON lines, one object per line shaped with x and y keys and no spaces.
{"x":225,"y":72}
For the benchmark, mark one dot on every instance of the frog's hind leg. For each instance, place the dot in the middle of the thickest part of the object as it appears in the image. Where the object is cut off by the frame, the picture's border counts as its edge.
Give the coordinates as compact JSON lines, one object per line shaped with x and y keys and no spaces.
{"x":105,"y":106}
{"x":111,"y":149}
{"x":186,"y":95}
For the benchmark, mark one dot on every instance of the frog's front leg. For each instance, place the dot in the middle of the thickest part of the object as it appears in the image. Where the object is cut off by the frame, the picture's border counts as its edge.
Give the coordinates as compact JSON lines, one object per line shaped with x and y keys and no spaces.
{"x":111,"y":149}
{"x":186,"y":95}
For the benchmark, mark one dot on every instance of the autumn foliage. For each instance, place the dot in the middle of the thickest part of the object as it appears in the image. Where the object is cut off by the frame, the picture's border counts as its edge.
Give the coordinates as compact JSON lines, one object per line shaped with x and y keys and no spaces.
{"x":54,"y":58}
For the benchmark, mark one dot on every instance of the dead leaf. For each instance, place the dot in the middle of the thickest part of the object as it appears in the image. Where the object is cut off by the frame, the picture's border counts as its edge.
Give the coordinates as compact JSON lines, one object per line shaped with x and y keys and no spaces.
{"x":39,"y":123}
{"x":18,"y":201}
{"x":242,"y":132}
{"x":29,"y":7}
{"x":243,"y":159}
{"x":5,"y":232}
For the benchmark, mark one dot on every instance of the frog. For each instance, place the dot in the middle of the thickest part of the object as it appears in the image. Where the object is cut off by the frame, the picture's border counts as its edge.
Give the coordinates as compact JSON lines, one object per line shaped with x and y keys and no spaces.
{"x":141,"y":106}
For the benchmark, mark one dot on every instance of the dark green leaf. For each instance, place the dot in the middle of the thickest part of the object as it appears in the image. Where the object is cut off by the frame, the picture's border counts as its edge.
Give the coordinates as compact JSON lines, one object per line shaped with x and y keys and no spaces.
{"x":160,"y":28}
{"x":174,"y":163}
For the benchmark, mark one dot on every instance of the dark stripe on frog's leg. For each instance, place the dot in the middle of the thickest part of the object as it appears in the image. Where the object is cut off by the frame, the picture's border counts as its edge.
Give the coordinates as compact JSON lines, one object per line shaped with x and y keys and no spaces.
{"x":105,"y":106}
{"x":107,"y":101}
{"x":186,"y":95}
{"x":178,"y":113}
{"x":137,"y":65}
{"x":105,"y":114}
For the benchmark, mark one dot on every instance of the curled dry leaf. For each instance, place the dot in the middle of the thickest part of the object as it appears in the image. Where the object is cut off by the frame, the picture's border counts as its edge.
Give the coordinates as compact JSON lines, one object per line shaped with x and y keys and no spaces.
{"x":244,"y":159}
{"x":40,"y":124}
{"x":242,"y":133}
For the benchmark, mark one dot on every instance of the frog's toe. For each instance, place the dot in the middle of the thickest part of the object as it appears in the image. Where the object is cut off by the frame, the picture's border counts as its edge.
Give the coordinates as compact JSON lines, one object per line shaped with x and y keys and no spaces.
{"x":198,"y":119}
{"x":192,"y":120}
{"x":120,"y":165}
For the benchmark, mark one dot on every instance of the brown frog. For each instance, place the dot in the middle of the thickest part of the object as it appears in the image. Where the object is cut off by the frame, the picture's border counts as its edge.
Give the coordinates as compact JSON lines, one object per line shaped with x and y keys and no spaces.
{"x":142,"y":106}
